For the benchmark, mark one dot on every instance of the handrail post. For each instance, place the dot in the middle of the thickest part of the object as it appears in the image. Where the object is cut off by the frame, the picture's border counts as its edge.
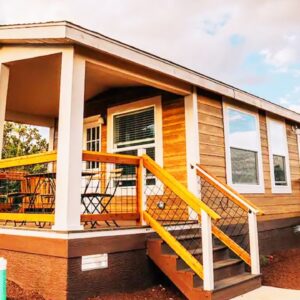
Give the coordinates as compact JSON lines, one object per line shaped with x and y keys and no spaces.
{"x":207,"y":252}
{"x":140,"y":185}
{"x":253,"y":239}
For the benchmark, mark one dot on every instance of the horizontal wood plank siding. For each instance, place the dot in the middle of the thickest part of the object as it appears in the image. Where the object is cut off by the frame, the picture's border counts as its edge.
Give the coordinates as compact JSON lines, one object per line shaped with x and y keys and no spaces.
{"x":174,"y":148}
{"x":212,"y":151}
{"x":211,"y":130}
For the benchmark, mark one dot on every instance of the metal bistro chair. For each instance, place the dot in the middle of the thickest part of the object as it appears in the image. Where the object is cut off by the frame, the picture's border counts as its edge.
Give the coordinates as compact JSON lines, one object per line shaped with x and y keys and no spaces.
{"x":93,"y":202}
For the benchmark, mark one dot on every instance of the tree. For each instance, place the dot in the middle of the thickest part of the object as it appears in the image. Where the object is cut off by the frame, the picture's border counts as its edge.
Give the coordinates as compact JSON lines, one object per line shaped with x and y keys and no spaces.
{"x":19,"y":139}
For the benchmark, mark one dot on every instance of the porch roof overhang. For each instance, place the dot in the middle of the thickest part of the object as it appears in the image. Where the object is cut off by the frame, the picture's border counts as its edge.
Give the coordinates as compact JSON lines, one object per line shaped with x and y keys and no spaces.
{"x":64,"y":32}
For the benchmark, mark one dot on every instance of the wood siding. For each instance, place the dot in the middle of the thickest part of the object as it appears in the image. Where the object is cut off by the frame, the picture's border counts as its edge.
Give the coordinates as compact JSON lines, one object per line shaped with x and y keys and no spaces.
{"x":212,"y":152}
{"x":174,"y":147}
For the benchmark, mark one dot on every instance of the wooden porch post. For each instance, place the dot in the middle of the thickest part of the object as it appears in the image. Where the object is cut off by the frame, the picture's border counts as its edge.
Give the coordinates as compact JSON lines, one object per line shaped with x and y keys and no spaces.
{"x":69,"y":150}
{"x":4,"y":76}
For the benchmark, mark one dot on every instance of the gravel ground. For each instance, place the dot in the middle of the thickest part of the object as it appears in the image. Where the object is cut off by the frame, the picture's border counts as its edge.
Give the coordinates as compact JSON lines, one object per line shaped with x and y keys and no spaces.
{"x":281,"y":270}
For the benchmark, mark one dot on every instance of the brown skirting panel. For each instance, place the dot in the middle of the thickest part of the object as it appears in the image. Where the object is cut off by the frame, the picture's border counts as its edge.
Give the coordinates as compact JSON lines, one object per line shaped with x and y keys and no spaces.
{"x":39,"y":263}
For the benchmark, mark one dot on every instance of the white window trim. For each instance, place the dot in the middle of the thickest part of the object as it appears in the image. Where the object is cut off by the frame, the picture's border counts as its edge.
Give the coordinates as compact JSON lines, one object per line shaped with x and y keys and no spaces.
{"x":243,"y":188}
{"x":91,"y":122}
{"x":276,"y":189}
{"x":135,"y":106}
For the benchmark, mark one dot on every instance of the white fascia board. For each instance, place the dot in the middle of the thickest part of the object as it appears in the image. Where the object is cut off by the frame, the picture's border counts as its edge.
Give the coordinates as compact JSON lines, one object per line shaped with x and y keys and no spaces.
{"x":35,"y":32}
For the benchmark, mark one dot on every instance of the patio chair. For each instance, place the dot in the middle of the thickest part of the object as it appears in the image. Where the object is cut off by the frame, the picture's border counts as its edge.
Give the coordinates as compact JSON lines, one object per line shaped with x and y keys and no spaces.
{"x":93,"y":202}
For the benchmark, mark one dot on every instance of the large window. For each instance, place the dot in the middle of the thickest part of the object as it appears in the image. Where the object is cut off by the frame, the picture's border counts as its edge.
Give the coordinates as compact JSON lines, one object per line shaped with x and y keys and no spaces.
{"x":279,"y":156}
{"x":243,"y":151}
{"x":135,"y":129}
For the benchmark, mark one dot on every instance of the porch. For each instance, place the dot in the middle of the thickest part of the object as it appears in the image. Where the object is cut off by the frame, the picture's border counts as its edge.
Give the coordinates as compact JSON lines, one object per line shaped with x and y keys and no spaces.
{"x":123,"y":154}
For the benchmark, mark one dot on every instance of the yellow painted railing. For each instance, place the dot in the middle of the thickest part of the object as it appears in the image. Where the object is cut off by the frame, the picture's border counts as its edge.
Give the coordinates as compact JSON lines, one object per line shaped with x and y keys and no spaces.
{"x":233,"y":209}
{"x":27,"y":160}
{"x":173,"y":207}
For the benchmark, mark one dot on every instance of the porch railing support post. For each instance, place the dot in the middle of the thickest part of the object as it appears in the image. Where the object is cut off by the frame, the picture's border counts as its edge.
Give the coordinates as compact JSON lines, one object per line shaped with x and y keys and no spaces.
{"x":253,"y":239}
{"x":141,"y":197}
{"x":207,"y":252}
{"x":4,"y":77}
{"x":69,"y":150}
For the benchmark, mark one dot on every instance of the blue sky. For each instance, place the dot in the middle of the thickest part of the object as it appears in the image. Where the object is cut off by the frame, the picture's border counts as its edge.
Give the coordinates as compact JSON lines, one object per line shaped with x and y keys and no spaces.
{"x":251,"y":44}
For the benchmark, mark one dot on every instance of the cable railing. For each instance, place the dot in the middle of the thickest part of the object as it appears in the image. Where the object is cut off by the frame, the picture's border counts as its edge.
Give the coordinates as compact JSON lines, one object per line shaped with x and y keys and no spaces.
{"x":173,"y":212}
{"x":108,"y":190}
{"x":26,"y":194}
{"x":125,"y":190}
{"x":237,"y":227}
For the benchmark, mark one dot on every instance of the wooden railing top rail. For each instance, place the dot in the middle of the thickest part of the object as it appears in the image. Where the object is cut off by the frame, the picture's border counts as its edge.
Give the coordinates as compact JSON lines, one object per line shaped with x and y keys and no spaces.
{"x":110,"y":158}
{"x":26,"y":160}
{"x":51,"y":156}
{"x":228,"y":191}
{"x":180,"y":190}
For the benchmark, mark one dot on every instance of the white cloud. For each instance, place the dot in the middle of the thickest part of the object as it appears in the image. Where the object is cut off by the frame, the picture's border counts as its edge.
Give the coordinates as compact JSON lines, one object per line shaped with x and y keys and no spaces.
{"x":189,"y":32}
{"x":280,"y":59}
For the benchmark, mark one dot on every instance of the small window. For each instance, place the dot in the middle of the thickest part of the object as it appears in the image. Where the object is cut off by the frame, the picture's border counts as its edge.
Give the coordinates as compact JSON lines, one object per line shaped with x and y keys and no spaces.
{"x":92,"y":138}
{"x":279,"y":156}
{"x":244,"y":166}
{"x":243,"y":150}
{"x":279,"y":170}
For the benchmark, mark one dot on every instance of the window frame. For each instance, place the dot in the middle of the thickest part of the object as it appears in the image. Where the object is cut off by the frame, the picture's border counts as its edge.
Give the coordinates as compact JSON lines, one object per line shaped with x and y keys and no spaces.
{"x":243,"y":188}
{"x":154,"y":102}
{"x":91,"y":122}
{"x":279,"y":189}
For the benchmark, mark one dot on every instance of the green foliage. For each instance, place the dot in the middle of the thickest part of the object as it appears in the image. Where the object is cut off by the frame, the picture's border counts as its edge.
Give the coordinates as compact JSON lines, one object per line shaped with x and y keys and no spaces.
{"x":19,"y":140}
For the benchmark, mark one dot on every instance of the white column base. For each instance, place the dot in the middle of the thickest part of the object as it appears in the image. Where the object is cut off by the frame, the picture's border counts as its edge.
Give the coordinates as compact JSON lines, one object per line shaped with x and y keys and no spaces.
{"x":58,"y":227}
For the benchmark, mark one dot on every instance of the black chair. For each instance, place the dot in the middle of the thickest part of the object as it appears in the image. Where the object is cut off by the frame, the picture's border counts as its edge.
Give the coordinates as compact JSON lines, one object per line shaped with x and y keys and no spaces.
{"x":97,"y":202}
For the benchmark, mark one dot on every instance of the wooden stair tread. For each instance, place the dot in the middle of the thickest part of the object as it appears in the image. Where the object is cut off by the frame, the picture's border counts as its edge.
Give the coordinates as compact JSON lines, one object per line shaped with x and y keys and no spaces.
{"x":199,"y":250}
{"x":234,"y":280}
{"x":217,"y":265}
{"x":226,"y":262}
{"x":188,"y":236}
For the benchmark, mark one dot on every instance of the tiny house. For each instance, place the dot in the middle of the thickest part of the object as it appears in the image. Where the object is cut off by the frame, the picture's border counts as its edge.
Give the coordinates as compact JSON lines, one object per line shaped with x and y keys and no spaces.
{"x":150,"y":166}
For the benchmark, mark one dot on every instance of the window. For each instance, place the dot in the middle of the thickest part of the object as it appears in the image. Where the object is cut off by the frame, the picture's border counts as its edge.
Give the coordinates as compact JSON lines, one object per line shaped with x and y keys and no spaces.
{"x":92,"y":137}
{"x":135,"y":129}
{"x":279,"y":156}
{"x":243,"y":150}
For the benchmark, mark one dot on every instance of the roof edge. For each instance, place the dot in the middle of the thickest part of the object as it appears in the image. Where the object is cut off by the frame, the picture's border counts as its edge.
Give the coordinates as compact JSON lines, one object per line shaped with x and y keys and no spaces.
{"x":89,"y":38}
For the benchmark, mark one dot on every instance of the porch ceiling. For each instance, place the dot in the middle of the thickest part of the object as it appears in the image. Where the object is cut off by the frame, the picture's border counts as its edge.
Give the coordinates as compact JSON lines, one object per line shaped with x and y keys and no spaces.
{"x":34,"y":87}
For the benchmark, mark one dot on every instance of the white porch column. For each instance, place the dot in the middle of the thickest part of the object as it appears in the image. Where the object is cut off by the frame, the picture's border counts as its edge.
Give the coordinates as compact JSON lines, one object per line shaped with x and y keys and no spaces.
{"x":253,"y":239}
{"x":192,"y":143}
{"x":4,"y":77}
{"x":192,"y":139}
{"x":207,"y":252}
{"x":69,"y":150}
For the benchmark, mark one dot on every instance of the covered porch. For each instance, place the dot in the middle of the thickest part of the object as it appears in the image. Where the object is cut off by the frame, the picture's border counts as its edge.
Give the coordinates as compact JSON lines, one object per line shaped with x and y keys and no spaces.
{"x":90,"y":177}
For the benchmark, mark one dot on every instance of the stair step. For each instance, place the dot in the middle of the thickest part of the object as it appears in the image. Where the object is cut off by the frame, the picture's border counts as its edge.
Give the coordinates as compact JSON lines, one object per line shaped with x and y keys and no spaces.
{"x":222,"y":269}
{"x":225,"y":263}
{"x":188,"y":236}
{"x":231,"y":281}
{"x":219,"y":253}
{"x":234,"y":286}
{"x":230,"y":276}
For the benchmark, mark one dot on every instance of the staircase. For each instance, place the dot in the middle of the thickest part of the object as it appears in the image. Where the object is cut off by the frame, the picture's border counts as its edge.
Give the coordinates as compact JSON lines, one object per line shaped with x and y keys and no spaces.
{"x":207,"y":245}
{"x":230,"y":276}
